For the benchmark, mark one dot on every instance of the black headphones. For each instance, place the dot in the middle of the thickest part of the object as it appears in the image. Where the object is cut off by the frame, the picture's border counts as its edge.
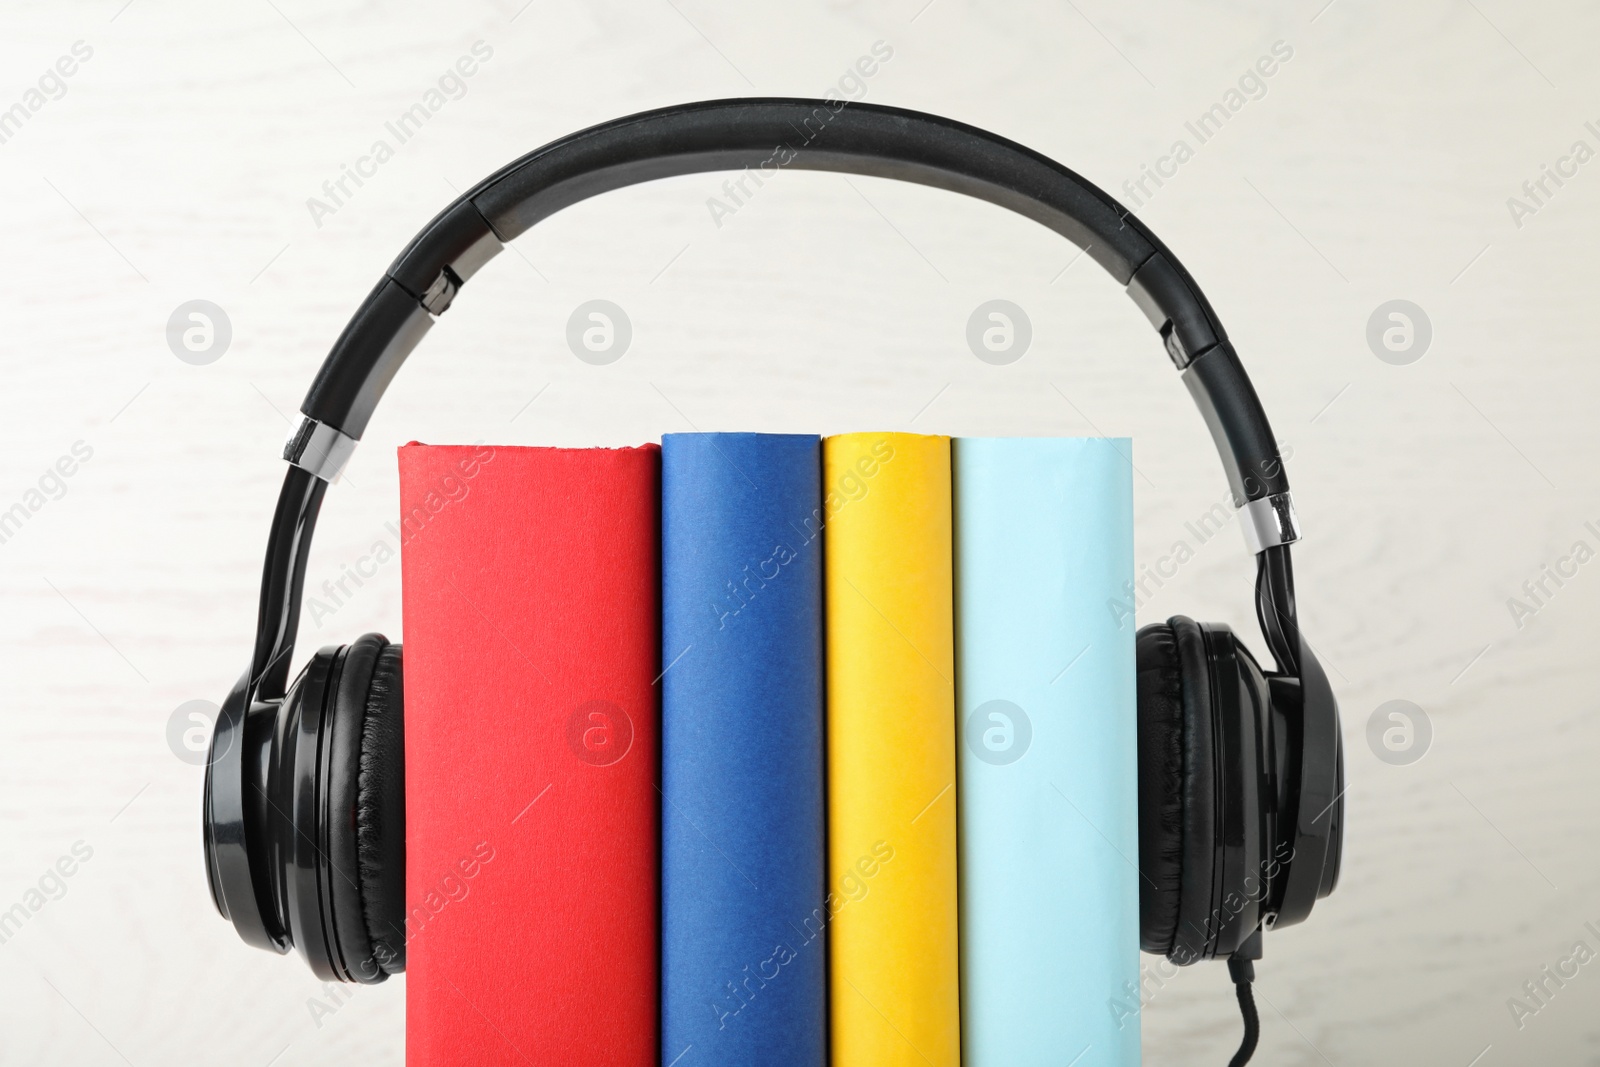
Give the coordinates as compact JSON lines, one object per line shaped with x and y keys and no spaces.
{"x":1241,"y":771}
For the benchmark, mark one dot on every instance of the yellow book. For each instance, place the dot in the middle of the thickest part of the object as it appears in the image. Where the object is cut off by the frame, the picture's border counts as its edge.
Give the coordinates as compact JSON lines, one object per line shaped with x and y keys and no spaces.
{"x":891,"y":751}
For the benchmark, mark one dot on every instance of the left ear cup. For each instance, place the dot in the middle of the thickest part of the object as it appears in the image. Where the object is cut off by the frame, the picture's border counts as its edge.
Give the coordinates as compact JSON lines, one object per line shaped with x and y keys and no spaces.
{"x":318,"y":816}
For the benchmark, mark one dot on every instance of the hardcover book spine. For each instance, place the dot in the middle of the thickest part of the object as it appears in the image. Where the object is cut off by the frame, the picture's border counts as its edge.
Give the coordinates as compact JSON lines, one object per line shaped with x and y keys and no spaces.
{"x":1049,"y":775}
{"x":531,"y":646}
{"x":891,"y":751}
{"x":743,"y":922}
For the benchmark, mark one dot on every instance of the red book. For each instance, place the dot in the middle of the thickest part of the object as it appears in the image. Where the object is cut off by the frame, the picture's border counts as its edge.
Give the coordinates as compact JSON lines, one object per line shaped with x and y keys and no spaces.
{"x":531,"y":585}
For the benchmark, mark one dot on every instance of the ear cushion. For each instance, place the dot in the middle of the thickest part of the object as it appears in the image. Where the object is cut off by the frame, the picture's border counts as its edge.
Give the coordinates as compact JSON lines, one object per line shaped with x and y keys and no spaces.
{"x":1160,"y":716}
{"x":345,"y":930}
{"x":1177,"y":791}
{"x":1195,"y":935}
{"x":381,"y":813}
{"x":364,"y":773}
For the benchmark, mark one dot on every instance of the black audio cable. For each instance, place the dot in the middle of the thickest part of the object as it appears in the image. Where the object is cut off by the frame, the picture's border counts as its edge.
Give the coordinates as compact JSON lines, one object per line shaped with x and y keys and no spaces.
{"x":1243,"y":972}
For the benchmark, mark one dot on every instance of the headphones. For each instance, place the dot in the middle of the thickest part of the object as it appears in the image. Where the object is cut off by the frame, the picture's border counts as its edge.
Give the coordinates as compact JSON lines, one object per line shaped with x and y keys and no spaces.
{"x":1241,"y":770}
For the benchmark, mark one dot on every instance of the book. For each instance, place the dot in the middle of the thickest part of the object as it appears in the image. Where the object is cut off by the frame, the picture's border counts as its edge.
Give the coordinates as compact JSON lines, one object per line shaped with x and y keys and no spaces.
{"x":743,"y":862}
{"x":891,"y":751}
{"x":530,"y":593}
{"x":1049,"y":772}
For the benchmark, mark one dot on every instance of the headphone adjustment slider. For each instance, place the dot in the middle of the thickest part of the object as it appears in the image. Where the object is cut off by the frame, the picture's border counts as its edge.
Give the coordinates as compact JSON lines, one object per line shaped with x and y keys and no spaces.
{"x":1269,"y":521}
{"x":441,"y":293}
{"x":319,"y":448}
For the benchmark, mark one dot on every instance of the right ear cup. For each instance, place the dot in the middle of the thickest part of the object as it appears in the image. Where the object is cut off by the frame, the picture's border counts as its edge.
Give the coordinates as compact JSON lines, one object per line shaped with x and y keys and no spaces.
{"x":1177,"y":791}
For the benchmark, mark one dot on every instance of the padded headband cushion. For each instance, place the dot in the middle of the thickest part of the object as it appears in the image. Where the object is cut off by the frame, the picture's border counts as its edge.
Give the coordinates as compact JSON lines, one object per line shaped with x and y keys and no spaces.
{"x":381,"y":813}
{"x":1160,"y":715}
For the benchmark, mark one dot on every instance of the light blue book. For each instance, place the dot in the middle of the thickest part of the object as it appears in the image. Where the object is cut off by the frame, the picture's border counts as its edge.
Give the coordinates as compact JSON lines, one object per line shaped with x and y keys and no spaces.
{"x":1048,"y":794}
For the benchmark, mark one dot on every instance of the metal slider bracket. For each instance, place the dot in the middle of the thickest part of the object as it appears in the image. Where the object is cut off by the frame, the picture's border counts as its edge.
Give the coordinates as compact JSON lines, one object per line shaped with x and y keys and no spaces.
{"x":465,"y":249}
{"x":441,"y":293}
{"x":319,"y":448}
{"x":1174,"y":307}
{"x":1269,"y":522}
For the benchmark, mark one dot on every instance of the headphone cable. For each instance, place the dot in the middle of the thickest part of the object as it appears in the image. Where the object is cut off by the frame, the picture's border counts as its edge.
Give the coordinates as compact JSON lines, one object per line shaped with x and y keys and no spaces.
{"x":1243,"y":972}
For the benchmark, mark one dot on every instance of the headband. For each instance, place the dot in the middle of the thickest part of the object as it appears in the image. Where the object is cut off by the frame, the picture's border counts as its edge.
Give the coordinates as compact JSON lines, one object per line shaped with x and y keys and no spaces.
{"x":767,"y":135}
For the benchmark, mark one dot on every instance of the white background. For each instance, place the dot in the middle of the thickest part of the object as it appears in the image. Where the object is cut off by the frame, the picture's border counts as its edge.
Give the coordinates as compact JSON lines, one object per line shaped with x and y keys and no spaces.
{"x":1377,"y":165}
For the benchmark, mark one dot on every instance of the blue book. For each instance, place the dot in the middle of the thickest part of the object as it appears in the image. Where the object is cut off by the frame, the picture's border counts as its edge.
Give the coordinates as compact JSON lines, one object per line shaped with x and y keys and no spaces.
{"x":1048,"y":796}
{"x":743,"y":849}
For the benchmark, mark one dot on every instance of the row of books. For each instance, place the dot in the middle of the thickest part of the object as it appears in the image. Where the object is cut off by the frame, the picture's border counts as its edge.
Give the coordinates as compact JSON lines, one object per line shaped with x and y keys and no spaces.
{"x":786,"y":750}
